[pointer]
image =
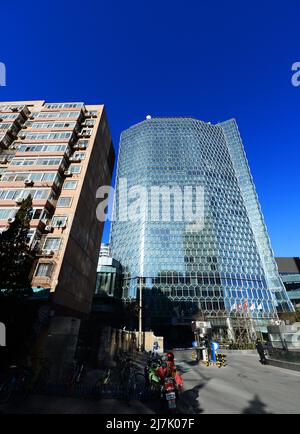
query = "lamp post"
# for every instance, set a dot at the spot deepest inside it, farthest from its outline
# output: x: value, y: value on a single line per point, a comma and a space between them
x: 140, y: 316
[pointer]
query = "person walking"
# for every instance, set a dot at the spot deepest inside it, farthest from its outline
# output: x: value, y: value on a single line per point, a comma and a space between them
x: 260, y: 349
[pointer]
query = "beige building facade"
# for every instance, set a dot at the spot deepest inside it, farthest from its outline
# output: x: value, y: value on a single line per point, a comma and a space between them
x: 60, y: 154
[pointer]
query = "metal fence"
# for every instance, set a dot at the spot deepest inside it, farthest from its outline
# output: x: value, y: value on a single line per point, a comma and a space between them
x: 108, y: 391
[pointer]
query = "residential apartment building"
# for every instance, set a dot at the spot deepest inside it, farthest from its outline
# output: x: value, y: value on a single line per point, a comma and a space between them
x: 60, y: 154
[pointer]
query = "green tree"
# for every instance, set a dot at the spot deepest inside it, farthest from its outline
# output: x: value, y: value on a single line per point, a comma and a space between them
x: 15, y: 258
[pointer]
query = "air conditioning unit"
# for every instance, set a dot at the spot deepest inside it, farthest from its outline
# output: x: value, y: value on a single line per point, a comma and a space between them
x: 3, y: 160
x: 19, y: 200
x: 22, y: 136
x: 74, y: 159
x: 68, y: 173
x: 10, y: 220
x: 80, y: 135
x: 48, y: 228
x: 84, y: 124
x: 47, y: 252
x: 76, y: 147
x: 28, y: 182
x: 82, y: 147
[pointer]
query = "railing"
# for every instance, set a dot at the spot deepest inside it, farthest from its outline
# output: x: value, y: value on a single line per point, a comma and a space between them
x: 108, y: 391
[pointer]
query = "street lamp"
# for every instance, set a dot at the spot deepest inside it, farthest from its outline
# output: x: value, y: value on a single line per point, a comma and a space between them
x: 140, y: 316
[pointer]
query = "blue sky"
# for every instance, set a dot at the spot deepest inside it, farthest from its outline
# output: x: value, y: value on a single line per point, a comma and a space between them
x: 210, y: 60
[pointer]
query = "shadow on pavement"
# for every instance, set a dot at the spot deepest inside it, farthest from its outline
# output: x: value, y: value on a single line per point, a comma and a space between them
x: 256, y: 406
x: 189, y: 401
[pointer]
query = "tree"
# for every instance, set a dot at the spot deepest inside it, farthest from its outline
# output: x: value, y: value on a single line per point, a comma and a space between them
x: 15, y: 258
x: 290, y: 316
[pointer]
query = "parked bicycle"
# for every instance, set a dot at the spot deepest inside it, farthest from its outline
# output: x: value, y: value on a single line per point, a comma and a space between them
x: 104, y: 378
x: 75, y: 373
x: 17, y: 383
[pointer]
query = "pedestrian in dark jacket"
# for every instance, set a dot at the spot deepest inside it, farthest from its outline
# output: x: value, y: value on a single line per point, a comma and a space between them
x: 261, y: 351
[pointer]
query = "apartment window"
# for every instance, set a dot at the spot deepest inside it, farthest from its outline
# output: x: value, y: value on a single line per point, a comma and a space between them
x: 44, y: 270
x: 64, y: 105
x: 5, y: 126
x: 12, y: 116
x: 36, y: 161
x: 33, y: 176
x: 42, y: 147
x: 35, y: 194
x: 83, y: 142
x: 47, y: 136
x: 90, y: 122
x: 75, y: 169
x: 70, y: 185
x: 41, y: 194
x: 6, y: 213
x: 50, y: 176
x: 38, y: 213
x: 81, y: 155
x: 30, y: 236
x: 53, y: 125
x: 64, y: 202
x: 62, y: 114
x: 12, y: 107
x: 52, y: 243
x: 59, y: 221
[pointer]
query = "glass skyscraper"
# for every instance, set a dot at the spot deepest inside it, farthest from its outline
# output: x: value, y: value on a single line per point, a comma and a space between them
x: 225, y: 267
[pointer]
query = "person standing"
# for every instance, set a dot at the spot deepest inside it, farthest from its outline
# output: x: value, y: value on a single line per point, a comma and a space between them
x: 260, y: 349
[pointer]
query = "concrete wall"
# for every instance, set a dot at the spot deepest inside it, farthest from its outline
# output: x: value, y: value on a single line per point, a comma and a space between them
x: 113, y: 340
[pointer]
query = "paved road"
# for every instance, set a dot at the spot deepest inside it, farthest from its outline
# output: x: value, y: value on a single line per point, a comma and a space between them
x: 243, y: 386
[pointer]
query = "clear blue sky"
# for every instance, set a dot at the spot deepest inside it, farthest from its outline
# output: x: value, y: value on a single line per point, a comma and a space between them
x: 212, y: 60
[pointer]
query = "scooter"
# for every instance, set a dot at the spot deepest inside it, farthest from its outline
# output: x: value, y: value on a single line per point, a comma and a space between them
x: 152, y: 379
x: 170, y: 393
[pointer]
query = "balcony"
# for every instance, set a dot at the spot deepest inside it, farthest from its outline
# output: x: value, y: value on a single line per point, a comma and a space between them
x: 13, y: 108
x: 5, y: 140
x: 48, y: 136
x: 16, y: 118
x: 45, y: 151
x: 61, y: 116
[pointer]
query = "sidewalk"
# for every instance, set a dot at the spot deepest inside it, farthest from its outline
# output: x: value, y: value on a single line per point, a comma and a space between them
x: 40, y: 404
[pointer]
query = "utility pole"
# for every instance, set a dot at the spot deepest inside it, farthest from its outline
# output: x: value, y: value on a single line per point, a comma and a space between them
x: 140, y: 316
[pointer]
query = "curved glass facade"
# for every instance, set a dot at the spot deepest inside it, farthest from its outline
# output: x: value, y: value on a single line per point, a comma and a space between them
x: 225, y: 267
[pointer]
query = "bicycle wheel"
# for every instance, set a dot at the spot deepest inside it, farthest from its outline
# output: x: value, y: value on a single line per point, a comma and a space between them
x: 42, y: 379
x: 139, y: 384
x: 6, y: 392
